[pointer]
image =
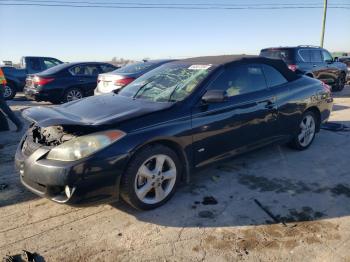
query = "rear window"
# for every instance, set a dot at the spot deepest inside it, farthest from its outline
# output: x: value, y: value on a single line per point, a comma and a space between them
x: 135, y: 68
x: 284, y: 54
x: 273, y: 77
x: 54, y: 69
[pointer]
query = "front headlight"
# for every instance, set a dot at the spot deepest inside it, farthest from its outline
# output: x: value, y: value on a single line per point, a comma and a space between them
x: 84, y: 146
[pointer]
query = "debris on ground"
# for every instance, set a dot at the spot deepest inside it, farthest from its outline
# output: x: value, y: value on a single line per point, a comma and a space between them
x: 26, y: 256
x: 335, y: 127
x: 206, y: 214
x: 269, y: 213
x: 209, y: 200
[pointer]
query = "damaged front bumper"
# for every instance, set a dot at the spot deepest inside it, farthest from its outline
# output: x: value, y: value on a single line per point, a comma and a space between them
x: 91, y: 180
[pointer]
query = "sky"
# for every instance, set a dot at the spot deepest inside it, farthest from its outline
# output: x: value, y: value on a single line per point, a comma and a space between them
x: 84, y: 34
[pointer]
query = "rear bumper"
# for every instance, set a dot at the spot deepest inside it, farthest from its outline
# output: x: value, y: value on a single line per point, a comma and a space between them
x: 42, y: 95
x: 89, y: 181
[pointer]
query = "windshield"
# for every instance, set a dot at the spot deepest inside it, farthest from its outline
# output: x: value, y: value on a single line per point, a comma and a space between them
x: 134, y: 68
x: 284, y: 54
x: 168, y: 83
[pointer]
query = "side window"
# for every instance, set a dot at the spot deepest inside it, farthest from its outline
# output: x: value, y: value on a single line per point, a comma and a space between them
x: 315, y: 56
x: 238, y: 80
x: 77, y: 70
x: 305, y: 55
x: 273, y: 77
x: 92, y: 70
x: 107, y: 68
x: 84, y: 70
x: 326, y: 56
x: 50, y: 62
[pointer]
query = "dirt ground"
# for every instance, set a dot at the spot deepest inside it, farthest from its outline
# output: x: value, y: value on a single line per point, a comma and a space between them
x: 309, y: 190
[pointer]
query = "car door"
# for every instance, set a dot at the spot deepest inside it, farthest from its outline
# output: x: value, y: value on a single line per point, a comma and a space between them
x: 332, y: 71
x: 279, y: 86
x: 320, y: 70
x: 85, y: 77
x: 246, y: 119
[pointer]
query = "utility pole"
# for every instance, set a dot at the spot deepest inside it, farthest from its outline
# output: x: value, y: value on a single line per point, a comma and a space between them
x: 324, y: 22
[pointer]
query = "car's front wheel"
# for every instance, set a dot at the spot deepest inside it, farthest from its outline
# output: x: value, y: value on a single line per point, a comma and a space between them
x: 340, y: 83
x: 151, y: 177
x: 307, y: 131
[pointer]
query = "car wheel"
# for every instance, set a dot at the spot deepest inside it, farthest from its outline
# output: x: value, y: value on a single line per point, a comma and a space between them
x: 151, y: 177
x: 307, y: 131
x: 340, y: 83
x: 72, y: 94
x: 9, y: 92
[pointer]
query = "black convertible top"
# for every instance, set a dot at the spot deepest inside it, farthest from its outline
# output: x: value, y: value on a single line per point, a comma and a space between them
x: 226, y: 60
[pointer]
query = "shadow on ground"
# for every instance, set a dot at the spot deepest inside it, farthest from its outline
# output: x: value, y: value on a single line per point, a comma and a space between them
x: 293, y: 186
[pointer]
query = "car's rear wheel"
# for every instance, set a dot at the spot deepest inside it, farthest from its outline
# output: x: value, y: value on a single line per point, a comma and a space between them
x: 340, y: 83
x: 151, y: 177
x: 307, y: 131
x: 9, y: 92
x: 73, y: 94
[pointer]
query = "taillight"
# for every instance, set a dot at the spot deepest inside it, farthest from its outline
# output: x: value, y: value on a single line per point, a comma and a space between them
x: 293, y: 67
x: 39, y: 81
x: 123, y: 81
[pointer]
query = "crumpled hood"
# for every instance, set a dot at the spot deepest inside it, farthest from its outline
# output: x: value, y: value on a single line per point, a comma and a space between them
x: 93, y: 111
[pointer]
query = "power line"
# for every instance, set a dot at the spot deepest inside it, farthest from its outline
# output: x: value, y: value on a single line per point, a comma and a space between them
x: 166, y: 4
x: 170, y: 7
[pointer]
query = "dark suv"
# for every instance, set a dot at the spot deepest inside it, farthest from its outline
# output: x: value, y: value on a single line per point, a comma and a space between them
x: 312, y: 61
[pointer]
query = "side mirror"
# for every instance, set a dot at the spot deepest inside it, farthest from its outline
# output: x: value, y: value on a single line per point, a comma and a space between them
x: 214, y: 96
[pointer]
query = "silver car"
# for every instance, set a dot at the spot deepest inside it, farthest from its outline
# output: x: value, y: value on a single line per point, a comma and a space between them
x: 119, y: 78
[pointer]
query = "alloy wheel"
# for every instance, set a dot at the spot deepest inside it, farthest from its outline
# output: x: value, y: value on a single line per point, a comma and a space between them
x: 74, y: 94
x: 155, y: 179
x: 7, y: 92
x: 307, y: 130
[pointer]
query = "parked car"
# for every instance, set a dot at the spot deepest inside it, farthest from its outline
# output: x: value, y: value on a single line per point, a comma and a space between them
x: 66, y: 82
x: 346, y: 60
x: 29, y: 65
x: 312, y: 61
x: 119, y: 78
x: 140, y: 143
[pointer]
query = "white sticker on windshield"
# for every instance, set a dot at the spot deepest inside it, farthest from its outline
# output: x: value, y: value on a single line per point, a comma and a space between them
x: 199, y: 67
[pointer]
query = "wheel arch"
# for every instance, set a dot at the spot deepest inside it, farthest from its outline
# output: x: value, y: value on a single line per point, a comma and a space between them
x: 173, y: 145
x: 317, y: 112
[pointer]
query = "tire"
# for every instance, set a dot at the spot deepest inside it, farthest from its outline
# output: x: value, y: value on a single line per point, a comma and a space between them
x: 10, y: 91
x: 72, y: 94
x: 340, y: 84
x: 145, y: 185
x: 302, y: 142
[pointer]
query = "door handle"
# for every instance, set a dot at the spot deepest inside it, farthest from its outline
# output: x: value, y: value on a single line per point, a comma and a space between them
x: 269, y: 103
x: 314, y: 65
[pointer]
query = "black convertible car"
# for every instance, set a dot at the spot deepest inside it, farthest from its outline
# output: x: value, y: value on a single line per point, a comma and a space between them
x: 140, y: 143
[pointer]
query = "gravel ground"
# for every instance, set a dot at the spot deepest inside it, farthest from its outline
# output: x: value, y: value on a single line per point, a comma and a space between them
x: 310, y: 190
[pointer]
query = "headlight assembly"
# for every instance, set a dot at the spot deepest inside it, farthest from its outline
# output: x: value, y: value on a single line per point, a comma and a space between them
x: 84, y: 146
